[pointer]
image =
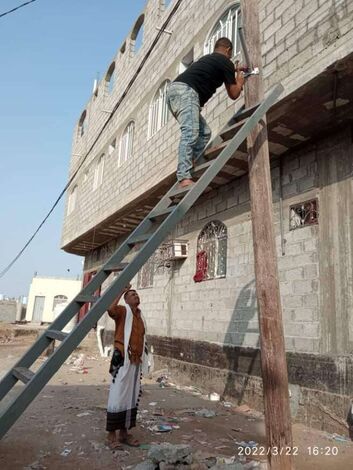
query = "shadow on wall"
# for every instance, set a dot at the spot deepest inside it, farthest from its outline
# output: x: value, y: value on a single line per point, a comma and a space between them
x: 244, y: 311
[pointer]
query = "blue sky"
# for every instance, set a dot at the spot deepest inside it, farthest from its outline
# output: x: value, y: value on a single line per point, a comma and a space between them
x: 50, y: 53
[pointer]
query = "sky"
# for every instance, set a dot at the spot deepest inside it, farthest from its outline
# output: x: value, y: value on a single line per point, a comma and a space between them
x: 50, y: 54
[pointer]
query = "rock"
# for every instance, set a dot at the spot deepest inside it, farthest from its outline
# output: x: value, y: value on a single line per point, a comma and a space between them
x: 146, y: 465
x: 205, y: 413
x: 169, y: 453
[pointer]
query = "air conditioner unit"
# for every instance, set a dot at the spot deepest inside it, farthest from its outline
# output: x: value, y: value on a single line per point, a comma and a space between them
x: 177, y: 249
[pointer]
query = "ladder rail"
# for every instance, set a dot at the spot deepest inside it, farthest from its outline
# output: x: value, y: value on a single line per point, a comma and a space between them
x: 53, y: 363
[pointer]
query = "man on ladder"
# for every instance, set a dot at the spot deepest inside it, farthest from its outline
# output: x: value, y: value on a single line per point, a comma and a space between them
x: 190, y: 91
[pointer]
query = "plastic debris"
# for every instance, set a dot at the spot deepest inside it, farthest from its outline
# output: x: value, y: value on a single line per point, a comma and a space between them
x: 205, y: 413
x: 161, y: 428
x: 339, y: 438
x: 227, y: 404
x: 214, y: 396
x: 86, y: 413
x: 66, y: 452
x: 153, y: 403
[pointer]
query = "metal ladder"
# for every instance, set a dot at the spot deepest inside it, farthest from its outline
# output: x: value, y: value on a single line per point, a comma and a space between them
x: 150, y: 233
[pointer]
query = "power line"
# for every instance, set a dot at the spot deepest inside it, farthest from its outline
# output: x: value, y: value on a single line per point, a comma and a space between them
x: 127, y: 89
x: 17, y: 8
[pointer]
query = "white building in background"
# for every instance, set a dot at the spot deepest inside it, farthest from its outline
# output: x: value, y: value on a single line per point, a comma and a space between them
x: 46, y: 293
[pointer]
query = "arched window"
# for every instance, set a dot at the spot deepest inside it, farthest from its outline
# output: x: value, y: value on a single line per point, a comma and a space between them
x: 82, y: 124
x: 226, y: 26
x: 110, y: 78
x: 126, y: 143
x: 211, y: 262
x: 98, y: 172
x: 59, y: 299
x: 158, y: 113
x: 137, y: 34
x: 71, y: 204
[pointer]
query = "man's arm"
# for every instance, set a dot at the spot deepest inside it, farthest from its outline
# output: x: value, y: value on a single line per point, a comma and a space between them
x: 234, y: 89
x: 114, y: 310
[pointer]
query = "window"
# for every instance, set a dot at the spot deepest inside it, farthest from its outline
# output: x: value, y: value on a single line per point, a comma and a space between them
x: 123, y: 48
x: 145, y: 275
x: 82, y: 124
x: 98, y: 173
x: 303, y: 214
x: 59, y: 299
x: 226, y: 26
x: 159, y: 112
x: 72, y: 200
x: 85, y: 176
x: 112, y: 147
x: 186, y: 61
x: 211, y: 262
x: 126, y: 143
x: 110, y: 78
x: 137, y: 34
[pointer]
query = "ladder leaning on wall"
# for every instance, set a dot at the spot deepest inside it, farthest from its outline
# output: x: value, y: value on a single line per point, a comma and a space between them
x: 150, y: 233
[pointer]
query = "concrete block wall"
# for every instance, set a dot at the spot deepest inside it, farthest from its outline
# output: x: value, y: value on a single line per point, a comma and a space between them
x: 224, y: 310
x: 300, y: 39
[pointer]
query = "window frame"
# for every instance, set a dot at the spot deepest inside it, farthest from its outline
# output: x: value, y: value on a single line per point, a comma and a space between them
x: 206, y: 246
x: 213, y: 34
x: 126, y: 143
x: 99, y: 172
x: 158, y: 113
x: 72, y: 200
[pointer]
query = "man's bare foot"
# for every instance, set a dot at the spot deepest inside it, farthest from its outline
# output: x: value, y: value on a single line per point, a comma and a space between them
x: 128, y: 439
x: 112, y: 441
x: 186, y: 182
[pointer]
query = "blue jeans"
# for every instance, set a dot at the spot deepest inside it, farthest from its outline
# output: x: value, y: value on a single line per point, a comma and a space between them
x: 183, y: 102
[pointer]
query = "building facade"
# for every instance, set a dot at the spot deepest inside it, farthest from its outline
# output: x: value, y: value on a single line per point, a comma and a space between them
x: 201, y: 308
x: 46, y: 294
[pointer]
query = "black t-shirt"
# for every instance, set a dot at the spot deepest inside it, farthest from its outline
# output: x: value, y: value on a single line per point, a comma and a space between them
x: 207, y: 74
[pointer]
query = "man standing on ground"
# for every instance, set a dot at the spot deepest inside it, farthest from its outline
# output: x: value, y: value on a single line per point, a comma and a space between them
x: 125, y: 368
x: 190, y: 91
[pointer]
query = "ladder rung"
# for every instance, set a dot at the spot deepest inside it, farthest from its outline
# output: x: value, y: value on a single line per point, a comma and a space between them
x: 166, y: 211
x: 54, y: 334
x: 86, y: 298
x: 115, y: 267
x: 139, y: 238
x: 215, y: 151
x: 201, y: 168
x: 230, y: 132
x: 180, y: 191
x: 244, y: 114
x: 23, y: 374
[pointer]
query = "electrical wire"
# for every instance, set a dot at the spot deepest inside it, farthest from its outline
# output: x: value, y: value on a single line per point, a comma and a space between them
x: 127, y: 89
x: 17, y: 8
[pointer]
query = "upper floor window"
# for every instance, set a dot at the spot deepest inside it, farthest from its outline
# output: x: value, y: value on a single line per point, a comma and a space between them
x: 137, y: 34
x: 71, y: 204
x: 226, y: 26
x: 211, y: 262
x: 112, y: 147
x: 158, y: 113
x: 110, y: 78
x: 186, y: 61
x: 126, y: 143
x: 98, y: 173
x: 82, y: 123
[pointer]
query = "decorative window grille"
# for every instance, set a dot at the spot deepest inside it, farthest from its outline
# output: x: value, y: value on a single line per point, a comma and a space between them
x: 145, y: 275
x: 303, y: 214
x: 98, y: 173
x: 72, y: 200
x: 59, y: 299
x: 159, y: 113
x: 126, y: 143
x: 226, y: 26
x: 211, y: 252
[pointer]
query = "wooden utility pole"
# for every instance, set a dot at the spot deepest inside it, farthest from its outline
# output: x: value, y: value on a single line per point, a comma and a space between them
x: 273, y: 357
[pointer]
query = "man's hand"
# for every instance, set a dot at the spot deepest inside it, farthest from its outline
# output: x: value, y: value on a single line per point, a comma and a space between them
x: 128, y: 287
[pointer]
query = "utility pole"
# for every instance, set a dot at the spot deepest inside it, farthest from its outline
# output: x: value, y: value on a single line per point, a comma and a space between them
x: 273, y: 356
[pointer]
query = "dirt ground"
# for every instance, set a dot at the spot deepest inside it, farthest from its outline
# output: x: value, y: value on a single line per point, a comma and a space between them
x: 64, y: 427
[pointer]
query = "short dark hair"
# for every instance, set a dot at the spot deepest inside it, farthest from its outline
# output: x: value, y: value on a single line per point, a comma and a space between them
x: 126, y: 293
x: 223, y: 42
